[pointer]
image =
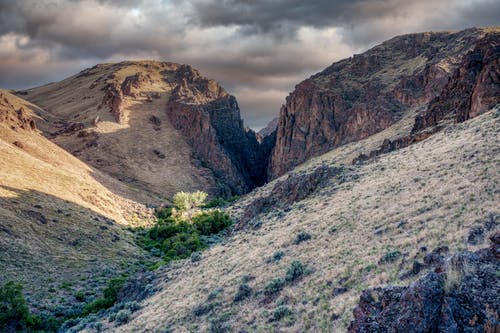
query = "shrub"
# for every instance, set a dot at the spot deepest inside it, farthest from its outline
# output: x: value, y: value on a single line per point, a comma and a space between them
x: 281, y: 312
x: 220, y: 202
x: 123, y: 316
x: 208, y: 223
x: 177, y: 238
x: 277, y: 256
x: 244, y: 291
x: 274, y: 286
x: 295, y: 271
x: 109, y: 298
x: 301, y: 237
x: 195, y: 256
x: 98, y: 326
x: 202, y: 309
x: 164, y: 213
x: 219, y: 325
x: 185, y: 201
x: 132, y: 306
x: 80, y: 296
x: 215, y: 202
x: 390, y: 256
x: 14, y: 311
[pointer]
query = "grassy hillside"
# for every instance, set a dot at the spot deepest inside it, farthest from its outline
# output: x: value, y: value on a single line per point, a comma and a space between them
x: 294, y: 267
x: 61, y: 230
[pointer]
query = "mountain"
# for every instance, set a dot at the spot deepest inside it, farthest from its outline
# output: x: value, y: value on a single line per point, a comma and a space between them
x: 156, y: 126
x: 414, y: 74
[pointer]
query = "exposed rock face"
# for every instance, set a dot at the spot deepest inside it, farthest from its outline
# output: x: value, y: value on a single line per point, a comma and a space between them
x: 357, y: 97
x: 473, y: 89
x: 15, y: 117
x: 210, y: 118
x: 461, y: 295
x: 113, y: 99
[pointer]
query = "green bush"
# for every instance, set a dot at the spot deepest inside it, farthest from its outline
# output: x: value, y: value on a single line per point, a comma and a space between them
x: 390, y: 256
x: 80, y: 296
x: 185, y: 201
x: 213, y: 222
x: 220, y: 202
x: 281, y: 312
x: 178, y: 238
x: 301, y: 237
x: 14, y: 311
x: 274, y: 286
x: 123, y: 316
x: 203, y: 308
x: 15, y: 314
x: 110, y: 296
x: 195, y: 256
x: 244, y: 291
x: 277, y: 256
x: 295, y: 271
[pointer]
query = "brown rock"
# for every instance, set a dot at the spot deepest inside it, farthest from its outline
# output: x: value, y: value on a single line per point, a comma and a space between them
x: 360, y: 96
x: 473, y: 89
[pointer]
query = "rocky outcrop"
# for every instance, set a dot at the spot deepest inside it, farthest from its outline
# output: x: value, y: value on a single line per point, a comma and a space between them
x: 360, y: 96
x: 473, y: 89
x: 210, y: 118
x: 113, y: 98
x: 461, y: 295
x: 13, y: 116
x: 133, y: 83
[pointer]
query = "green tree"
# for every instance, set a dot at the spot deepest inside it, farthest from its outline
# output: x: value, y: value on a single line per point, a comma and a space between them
x: 14, y: 312
x: 185, y: 201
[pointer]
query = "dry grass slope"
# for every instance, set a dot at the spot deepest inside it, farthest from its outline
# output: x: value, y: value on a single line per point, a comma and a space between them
x: 57, y: 222
x: 365, y: 232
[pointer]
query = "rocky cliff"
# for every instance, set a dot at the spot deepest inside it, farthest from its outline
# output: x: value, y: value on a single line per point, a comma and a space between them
x: 473, y: 89
x: 210, y: 118
x: 15, y: 117
x: 357, y: 97
x: 461, y: 295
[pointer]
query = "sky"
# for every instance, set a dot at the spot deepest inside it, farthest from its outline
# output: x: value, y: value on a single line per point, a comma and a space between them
x: 258, y: 50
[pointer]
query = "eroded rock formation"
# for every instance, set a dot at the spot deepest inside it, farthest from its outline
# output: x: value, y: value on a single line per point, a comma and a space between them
x: 461, y: 295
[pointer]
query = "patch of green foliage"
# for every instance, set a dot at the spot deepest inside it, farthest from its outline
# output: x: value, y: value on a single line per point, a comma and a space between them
x: 15, y: 314
x: 220, y: 202
x: 295, y: 271
x: 175, y: 236
x: 281, y: 312
x: 110, y: 295
x: 274, y: 286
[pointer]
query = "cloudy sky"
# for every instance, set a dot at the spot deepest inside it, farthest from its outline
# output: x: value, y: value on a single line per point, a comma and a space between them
x: 259, y: 50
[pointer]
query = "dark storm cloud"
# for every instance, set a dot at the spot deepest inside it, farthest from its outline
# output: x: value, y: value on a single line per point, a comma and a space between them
x: 258, y: 49
x: 363, y: 21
